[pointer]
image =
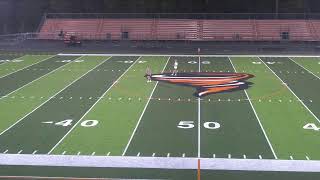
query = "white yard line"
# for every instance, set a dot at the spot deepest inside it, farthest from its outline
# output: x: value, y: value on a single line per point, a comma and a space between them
x: 11, y: 60
x: 199, y: 115
x: 257, y: 117
x: 27, y: 66
x: 160, y: 162
x: 49, y: 99
x: 75, y: 125
x: 38, y: 78
x: 304, y: 68
x: 145, y: 107
x: 290, y: 90
x: 191, y: 55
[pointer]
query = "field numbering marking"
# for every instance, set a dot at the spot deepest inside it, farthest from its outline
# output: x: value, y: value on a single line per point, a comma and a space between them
x: 47, y: 99
x: 75, y: 125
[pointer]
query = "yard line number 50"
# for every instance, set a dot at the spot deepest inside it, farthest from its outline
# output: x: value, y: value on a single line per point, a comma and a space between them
x: 190, y: 124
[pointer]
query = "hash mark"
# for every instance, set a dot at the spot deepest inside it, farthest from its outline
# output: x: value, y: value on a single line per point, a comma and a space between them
x: 93, y: 153
x: 64, y: 152
x: 78, y: 153
x: 153, y: 154
x: 138, y: 154
x: 168, y: 155
x: 260, y: 157
x: 20, y: 152
x: 108, y: 153
x: 229, y: 156
x: 184, y: 155
x: 214, y: 155
x: 5, y: 151
x: 291, y: 157
x: 307, y: 157
x: 244, y: 156
x: 34, y: 152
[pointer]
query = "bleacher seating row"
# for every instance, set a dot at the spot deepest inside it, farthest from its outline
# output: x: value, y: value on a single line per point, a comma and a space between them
x: 183, y: 29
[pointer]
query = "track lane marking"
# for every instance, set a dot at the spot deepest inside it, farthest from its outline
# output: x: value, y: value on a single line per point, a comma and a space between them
x: 145, y: 107
x: 286, y: 85
x: 257, y: 117
x: 115, y: 82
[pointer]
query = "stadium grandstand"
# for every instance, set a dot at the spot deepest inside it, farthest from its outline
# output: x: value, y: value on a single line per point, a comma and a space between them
x: 171, y: 89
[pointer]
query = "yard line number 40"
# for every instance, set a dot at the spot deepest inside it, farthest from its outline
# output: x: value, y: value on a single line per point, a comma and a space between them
x: 190, y: 124
x: 86, y: 123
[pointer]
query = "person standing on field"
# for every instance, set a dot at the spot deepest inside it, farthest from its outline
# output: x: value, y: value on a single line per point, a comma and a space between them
x: 175, y: 68
x: 148, y: 74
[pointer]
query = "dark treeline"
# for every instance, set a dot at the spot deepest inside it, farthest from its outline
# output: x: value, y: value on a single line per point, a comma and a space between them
x: 25, y: 15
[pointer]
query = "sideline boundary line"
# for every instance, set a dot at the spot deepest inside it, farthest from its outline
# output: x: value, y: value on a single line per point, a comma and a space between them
x: 257, y: 117
x: 50, y: 98
x: 74, y: 126
x: 52, y: 56
x: 144, y: 109
x: 160, y: 162
x: 285, y: 84
x: 183, y: 55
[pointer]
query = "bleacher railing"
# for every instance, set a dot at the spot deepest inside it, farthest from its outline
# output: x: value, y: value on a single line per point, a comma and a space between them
x: 188, y: 15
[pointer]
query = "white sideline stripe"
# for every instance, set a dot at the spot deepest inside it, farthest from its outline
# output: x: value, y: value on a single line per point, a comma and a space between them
x: 145, y: 107
x: 160, y: 162
x: 199, y: 116
x: 115, y: 82
x: 27, y: 66
x: 257, y: 117
x: 37, y: 79
x: 186, y: 55
x: 46, y: 100
x: 304, y: 67
x: 291, y: 91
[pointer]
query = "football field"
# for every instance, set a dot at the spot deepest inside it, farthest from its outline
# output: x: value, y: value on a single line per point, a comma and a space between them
x: 58, y: 107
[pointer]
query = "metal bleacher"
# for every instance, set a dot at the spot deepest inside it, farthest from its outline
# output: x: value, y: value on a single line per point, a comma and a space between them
x: 183, y: 29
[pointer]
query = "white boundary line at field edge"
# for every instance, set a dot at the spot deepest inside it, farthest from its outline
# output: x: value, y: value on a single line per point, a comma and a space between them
x: 1, y: 97
x: 185, y: 55
x: 255, y: 113
x: 285, y: 84
x: 51, y: 96
x: 304, y: 67
x: 52, y: 56
x: 144, y: 109
x: 75, y: 125
x: 134, y: 162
